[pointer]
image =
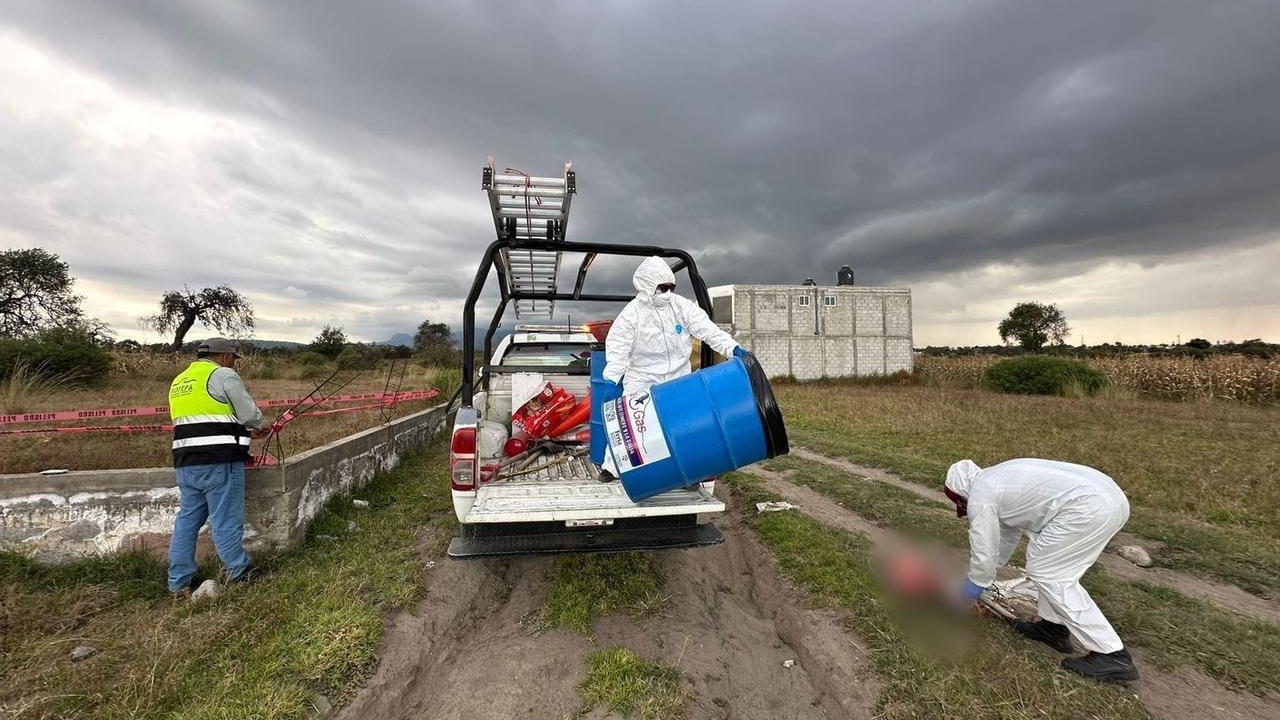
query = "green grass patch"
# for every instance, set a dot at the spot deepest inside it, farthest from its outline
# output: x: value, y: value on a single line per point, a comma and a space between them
x: 1240, y: 556
x: 587, y: 587
x: 1174, y: 629
x: 1201, y: 477
x: 930, y: 666
x: 632, y: 687
x: 262, y: 650
x: 131, y: 575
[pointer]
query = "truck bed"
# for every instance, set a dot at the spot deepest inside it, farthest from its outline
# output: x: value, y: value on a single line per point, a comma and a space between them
x: 564, y: 508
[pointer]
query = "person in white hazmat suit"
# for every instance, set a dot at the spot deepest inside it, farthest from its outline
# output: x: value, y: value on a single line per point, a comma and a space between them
x: 651, y: 340
x: 1069, y: 512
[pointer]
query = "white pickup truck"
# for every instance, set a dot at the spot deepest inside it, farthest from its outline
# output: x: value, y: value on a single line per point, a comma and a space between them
x: 561, y: 507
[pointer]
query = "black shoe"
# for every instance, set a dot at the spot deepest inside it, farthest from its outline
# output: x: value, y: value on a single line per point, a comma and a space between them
x: 251, y: 574
x: 1104, y: 667
x: 605, y: 477
x: 1052, y: 634
x: 184, y: 593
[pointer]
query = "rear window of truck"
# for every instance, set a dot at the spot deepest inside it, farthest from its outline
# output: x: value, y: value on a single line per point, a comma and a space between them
x: 548, y: 355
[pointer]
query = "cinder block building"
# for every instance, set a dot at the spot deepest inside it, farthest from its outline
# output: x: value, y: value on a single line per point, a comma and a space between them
x: 812, y: 331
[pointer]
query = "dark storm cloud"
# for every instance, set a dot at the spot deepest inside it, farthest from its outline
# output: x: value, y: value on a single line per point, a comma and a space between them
x: 777, y: 141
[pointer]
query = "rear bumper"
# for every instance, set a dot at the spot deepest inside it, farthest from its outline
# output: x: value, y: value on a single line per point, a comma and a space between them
x: 548, y: 538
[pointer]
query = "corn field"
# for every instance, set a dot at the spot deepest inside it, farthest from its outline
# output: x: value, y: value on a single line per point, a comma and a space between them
x: 1223, y: 377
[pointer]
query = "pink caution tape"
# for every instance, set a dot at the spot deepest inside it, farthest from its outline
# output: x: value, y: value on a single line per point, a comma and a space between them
x: 108, y: 413
x: 384, y: 401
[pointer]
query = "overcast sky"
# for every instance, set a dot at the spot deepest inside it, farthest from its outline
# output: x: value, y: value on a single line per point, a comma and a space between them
x: 1119, y: 159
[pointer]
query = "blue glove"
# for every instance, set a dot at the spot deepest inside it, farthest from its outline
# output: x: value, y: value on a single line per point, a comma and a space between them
x: 740, y: 352
x: 612, y: 391
x: 972, y: 591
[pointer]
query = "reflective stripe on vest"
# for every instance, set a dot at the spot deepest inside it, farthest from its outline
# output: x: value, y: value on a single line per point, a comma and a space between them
x: 205, y: 430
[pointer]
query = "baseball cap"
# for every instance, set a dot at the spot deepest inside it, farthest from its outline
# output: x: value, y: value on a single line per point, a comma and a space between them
x: 219, y: 346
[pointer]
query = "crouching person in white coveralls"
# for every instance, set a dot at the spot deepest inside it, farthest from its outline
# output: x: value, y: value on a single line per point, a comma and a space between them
x: 1069, y: 513
x: 652, y: 338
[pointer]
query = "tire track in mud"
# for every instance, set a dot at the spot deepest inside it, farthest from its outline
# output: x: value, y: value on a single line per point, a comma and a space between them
x: 1223, y: 595
x: 1176, y: 695
x: 729, y: 626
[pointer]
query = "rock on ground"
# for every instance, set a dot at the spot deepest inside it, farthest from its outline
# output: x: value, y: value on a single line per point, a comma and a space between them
x: 82, y: 651
x: 208, y: 590
x: 1136, y: 555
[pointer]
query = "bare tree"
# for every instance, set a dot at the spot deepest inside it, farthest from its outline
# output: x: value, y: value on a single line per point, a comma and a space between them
x: 35, y: 293
x: 220, y: 308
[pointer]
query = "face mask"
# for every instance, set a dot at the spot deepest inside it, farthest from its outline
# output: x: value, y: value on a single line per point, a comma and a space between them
x: 662, y: 299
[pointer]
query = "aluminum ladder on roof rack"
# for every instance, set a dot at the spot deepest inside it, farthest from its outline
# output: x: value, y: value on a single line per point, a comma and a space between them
x: 527, y: 207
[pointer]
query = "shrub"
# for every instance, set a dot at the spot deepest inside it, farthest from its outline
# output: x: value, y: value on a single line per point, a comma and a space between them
x: 311, y: 372
x: 357, y: 358
x: 1040, y: 375
x: 63, y: 355
x: 261, y: 368
x: 312, y: 359
x: 439, y: 356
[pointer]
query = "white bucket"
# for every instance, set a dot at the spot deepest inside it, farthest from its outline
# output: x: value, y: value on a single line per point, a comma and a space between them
x: 492, y: 436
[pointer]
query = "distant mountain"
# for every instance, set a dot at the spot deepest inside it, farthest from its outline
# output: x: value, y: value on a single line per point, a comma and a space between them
x: 406, y: 339
x: 403, y: 339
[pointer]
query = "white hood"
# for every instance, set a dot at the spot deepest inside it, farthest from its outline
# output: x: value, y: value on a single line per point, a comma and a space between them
x: 652, y: 272
x: 960, y: 477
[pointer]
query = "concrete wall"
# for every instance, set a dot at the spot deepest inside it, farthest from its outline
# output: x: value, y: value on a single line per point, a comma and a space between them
x: 62, y: 517
x: 859, y: 331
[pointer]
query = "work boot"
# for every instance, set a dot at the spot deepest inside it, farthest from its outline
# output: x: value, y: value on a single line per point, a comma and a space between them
x: 184, y: 593
x: 1104, y: 667
x: 1052, y: 634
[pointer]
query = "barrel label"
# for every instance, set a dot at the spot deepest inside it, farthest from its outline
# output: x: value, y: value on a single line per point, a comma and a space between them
x: 634, y: 431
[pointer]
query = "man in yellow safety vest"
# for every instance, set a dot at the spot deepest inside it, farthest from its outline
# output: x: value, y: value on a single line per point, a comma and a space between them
x: 213, y: 421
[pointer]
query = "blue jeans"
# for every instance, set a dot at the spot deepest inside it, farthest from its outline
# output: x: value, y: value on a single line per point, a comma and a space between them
x: 214, y: 493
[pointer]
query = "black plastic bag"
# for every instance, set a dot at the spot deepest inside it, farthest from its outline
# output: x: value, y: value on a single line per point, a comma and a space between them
x: 775, y: 431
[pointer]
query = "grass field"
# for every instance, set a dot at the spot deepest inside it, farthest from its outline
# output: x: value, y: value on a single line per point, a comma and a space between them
x: 1203, y: 477
x: 260, y: 651
x: 1238, y: 378
x: 143, y: 380
x: 1239, y: 653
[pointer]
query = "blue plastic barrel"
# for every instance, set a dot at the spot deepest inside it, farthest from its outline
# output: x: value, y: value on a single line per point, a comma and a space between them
x: 597, y: 397
x: 686, y: 430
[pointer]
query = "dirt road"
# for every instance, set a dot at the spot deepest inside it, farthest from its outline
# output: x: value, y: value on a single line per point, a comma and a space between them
x: 730, y: 626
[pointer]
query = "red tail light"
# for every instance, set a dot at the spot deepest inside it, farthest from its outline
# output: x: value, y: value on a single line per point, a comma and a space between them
x: 464, y: 441
x: 462, y: 459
